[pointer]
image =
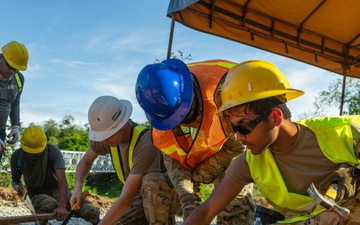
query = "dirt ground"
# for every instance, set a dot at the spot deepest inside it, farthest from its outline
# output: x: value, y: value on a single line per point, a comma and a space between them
x: 8, y: 197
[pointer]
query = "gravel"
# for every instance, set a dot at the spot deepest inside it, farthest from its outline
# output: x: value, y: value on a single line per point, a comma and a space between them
x: 6, y: 211
x: 21, y: 210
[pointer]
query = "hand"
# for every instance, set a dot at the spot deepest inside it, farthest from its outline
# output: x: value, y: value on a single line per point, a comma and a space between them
x: 2, y: 147
x: 188, y: 204
x: 61, y: 213
x: 76, y: 198
x: 21, y: 190
x: 15, y: 134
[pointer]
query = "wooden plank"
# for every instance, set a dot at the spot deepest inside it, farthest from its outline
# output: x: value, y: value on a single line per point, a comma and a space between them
x: 28, y: 218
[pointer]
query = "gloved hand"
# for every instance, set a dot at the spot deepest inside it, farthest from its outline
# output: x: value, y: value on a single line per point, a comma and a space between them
x: 188, y: 205
x: 2, y: 147
x: 348, y: 186
x: 15, y: 134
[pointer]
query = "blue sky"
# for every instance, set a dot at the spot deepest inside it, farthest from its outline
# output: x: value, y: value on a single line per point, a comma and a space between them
x: 80, y: 50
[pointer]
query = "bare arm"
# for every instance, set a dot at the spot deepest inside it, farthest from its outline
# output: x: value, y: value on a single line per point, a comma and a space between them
x: 131, y: 186
x: 218, y: 200
x: 61, y: 211
x: 82, y: 170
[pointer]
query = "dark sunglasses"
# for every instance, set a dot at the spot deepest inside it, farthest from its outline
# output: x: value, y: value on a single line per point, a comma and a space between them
x: 246, y: 128
x: 10, y: 67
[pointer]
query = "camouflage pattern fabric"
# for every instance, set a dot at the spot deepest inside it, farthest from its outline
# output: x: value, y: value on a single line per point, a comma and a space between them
x: 44, y: 203
x: 241, y: 209
x: 212, y: 170
x: 156, y: 203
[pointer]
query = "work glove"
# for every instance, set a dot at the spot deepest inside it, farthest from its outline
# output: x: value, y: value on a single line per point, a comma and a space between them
x: 188, y: 205
x: 15, y: 134
x: 348, y: 182
x: 2, y: 147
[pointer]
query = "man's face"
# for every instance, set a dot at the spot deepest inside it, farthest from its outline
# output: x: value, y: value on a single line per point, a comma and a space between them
x: 117, y: 138
x: 254, y: 131
x: 6, y: 71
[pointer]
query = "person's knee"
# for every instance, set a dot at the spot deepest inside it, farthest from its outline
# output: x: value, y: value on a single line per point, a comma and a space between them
x: 44, y: 203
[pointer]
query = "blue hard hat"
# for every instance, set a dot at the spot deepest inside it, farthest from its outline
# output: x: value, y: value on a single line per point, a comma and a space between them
x: 165, y: 91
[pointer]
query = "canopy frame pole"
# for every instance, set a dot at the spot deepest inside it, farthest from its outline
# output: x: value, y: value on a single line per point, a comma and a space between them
x: 343, y: 90
x: 171, y: 36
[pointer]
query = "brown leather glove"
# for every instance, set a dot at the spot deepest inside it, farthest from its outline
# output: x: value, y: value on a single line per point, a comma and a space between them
x: 348, y: 184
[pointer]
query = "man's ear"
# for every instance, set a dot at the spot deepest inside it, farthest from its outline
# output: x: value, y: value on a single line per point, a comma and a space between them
x: 277, y: 116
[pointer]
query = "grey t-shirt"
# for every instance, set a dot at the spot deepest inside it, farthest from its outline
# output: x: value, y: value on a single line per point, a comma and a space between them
x: 146, y: 157
x: 302, y: 164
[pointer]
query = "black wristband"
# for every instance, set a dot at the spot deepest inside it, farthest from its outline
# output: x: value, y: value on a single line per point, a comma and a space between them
x: 355, y: 171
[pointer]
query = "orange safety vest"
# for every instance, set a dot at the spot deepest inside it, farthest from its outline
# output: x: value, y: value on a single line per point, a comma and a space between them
x: 210, y: 137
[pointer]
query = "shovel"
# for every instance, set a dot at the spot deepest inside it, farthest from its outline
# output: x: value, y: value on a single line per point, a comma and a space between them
x: 74, y: 208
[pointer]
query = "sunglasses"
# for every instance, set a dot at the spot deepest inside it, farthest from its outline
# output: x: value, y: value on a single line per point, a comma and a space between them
x: 246, y: 128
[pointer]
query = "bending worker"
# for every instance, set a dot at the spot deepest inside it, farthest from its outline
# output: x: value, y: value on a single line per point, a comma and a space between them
x: 180, y: 102
x: 14, y: 57
x: 43, y: 169
x: 147, y: 197
x: 283, y: 158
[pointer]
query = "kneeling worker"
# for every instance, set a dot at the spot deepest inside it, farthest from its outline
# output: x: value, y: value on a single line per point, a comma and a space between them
x: 148, y: 196
x: 43, y: 168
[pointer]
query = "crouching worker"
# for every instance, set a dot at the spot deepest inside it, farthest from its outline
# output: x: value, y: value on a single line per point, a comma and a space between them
x: 43, y: 169
x: 148, y: 196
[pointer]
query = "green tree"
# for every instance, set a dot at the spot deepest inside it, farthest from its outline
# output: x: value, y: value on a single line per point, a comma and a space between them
x: 179, y: 55
x: 331, y: 98
x: 72, y: 136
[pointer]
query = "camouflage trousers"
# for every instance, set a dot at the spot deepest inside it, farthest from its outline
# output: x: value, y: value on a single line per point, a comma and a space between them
x: 47, y: 203
x: 157, y: 202
x: 240, y: 211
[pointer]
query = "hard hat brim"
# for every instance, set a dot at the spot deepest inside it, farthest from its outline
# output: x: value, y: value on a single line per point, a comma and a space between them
x: 34, y: 150
x: 289, y: 95
x: 186, y: 100
x: 102, y: 135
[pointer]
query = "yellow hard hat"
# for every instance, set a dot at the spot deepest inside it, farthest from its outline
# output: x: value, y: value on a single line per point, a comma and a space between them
x: 254, y: 80
x: 16, y: 55
x: 33, y: 140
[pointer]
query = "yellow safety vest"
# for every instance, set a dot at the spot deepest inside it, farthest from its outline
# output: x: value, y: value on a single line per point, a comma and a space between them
x: 18, y: 80
x: 338, y: 149
x: 116, y: 156
x: 210, y: 137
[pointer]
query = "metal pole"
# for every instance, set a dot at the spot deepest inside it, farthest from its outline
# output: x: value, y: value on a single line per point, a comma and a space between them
x: 343, y: 90
x: 171, y: 36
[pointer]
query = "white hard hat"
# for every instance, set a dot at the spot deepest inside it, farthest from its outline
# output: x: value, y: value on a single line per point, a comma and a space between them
x: 106, y: 116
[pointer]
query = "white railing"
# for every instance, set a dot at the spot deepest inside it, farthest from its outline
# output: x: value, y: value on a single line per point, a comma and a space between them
x: 102, y: 163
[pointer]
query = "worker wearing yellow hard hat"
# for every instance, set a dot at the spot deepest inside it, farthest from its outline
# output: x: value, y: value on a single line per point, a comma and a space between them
x: 42, y: 168
x: 14, y: 57
x: 283, y: 157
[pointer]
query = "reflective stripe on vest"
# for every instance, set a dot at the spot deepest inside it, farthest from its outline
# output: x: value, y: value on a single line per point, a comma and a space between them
x: 210, y: 136
x: 336, y: 149
x: 115, y: 152
x: 18, y: 80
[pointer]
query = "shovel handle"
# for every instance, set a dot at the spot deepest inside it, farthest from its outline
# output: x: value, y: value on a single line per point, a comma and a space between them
x: 74, y: 208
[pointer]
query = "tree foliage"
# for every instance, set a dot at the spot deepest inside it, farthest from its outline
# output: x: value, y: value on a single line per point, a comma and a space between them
x: 331, y: 98
x: 179, y: 55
